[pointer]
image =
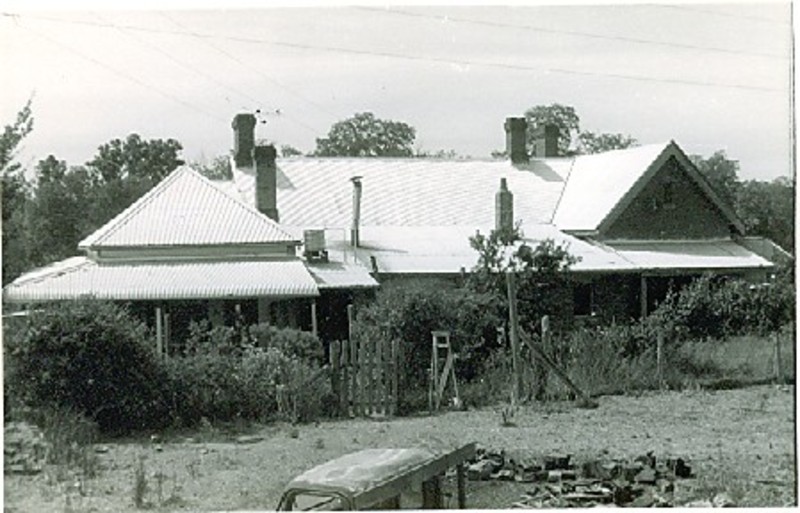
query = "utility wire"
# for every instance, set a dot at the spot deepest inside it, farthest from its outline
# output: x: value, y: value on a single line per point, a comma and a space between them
x: 575, y: 33
x: 250, y: 68
x: 125, y: 75
x: 725, y: 14
x: 182, y: 64
x: 461, y: 62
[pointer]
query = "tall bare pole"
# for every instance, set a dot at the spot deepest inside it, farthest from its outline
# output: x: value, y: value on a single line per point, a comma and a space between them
x: 514, y: 335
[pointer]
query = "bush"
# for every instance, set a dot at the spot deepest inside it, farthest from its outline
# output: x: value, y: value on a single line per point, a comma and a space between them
x: 274, y: 373
x: 93, y: 358
x: 289, y: 341
x: 713, y: 308
x: 409, y: 311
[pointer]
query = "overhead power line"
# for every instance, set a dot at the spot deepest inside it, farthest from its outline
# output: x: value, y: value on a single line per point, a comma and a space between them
x: 725, y: 14
x: 125, y: 75
x: 441, y: 60
x: 251, y: 68
x: 625, y: 39
x: 185, y: 65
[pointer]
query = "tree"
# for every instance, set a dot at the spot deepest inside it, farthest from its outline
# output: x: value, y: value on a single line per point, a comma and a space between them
x: 543, y: 286
x: 58, y: 217
x: 136, y: 158
x: 364, y: 135
x: 218, y: 169
x: 16, y: 195
x: 721, y: 173
x: 767, y: 210
x: 590, y: 142
x: 563, y: 116
x: 12, y: 135
x: 290, y: 151
x: 125, y: 170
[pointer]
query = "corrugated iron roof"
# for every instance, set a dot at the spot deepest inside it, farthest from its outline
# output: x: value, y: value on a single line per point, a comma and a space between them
x: 596, y: 183
x: 82, y: 277
x: 339, y: 275
x: 446, y: 249
x: 689, y: 254
x: 187, y: 209
x: 413, y: 192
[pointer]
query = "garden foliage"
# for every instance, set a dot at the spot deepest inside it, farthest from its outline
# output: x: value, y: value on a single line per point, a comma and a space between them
x: 91, y: 357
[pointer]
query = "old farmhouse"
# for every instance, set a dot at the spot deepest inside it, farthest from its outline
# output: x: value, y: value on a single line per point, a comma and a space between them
x: 293, y: 241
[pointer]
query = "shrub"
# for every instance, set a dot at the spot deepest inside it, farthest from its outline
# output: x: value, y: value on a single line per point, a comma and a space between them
x: 275, y: 372
x: 714, y: 308
x: 409, y: 311
x: 91, y: 357
x: 289, y: 341
x: 206, y: 339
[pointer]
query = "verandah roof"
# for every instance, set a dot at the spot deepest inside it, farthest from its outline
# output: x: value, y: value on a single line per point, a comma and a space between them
x: 81, y: 277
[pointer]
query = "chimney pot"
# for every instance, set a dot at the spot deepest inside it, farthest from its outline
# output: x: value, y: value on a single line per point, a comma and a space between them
x: 244, y: 139
x: 355, y: 235
x: 504, y: 208
x: 516, y: 148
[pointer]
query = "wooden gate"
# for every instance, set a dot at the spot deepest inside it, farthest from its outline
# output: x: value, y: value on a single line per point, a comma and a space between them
x: 365, y: 377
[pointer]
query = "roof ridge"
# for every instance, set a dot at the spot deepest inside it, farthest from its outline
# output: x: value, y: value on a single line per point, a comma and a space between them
x: 119, y: 220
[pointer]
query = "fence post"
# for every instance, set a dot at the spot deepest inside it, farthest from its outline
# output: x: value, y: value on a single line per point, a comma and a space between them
x: 335, y: 377
x: 378, y: 377
x: 540, y: 369
x: 660, y: 358
x: 354, y: 378
x: 778, y: 368
x: 344, y: 382
x: 514, y: 329
x: 366, y: 375
x: 395, y: 365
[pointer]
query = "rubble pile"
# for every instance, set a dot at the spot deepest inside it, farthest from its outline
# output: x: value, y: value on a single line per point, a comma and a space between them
x: 24, y: 448
x: 556, y: 482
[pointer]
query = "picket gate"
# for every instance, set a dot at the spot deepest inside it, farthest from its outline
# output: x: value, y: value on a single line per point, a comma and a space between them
x: 364, y: 377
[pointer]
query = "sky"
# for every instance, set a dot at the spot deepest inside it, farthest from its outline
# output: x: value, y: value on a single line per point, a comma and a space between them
x: 711, y: 76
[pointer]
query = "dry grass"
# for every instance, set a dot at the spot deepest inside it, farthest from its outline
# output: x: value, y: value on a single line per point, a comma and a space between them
x: 738, y: 441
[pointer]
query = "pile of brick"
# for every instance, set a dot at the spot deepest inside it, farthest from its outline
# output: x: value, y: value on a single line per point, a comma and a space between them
x: 556, y: 482
x: 24, y: 448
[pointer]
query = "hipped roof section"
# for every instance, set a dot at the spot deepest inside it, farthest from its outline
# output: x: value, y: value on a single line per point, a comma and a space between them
x: 186, y: 209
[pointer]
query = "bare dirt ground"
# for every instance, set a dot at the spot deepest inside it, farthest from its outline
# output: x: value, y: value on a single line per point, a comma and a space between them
x: 741, y: 442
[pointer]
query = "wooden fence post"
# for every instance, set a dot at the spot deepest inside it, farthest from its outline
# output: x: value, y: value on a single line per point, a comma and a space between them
x: 395, y: 365
x: 365, y: 373
x: 514, y: 332
x: 346, y: 394
x: 660, y: 358
x: 335, y: 371
x: 354, y: 378
x: 778, y: 367
x: 539, y: 368
x: 377, y: 379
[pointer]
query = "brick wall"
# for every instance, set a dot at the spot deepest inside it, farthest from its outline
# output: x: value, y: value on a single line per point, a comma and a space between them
x: 671, y: 206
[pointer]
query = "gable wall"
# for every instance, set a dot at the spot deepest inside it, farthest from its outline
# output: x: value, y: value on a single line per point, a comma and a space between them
x: 689, y: 215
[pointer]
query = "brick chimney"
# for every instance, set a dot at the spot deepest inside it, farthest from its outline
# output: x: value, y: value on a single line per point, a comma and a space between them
x: 355, y: 229
x: 244, y: 139
x: 515, y: 140
x: 266, y: 181
x: 503, y: 208
x: 545, y: 141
